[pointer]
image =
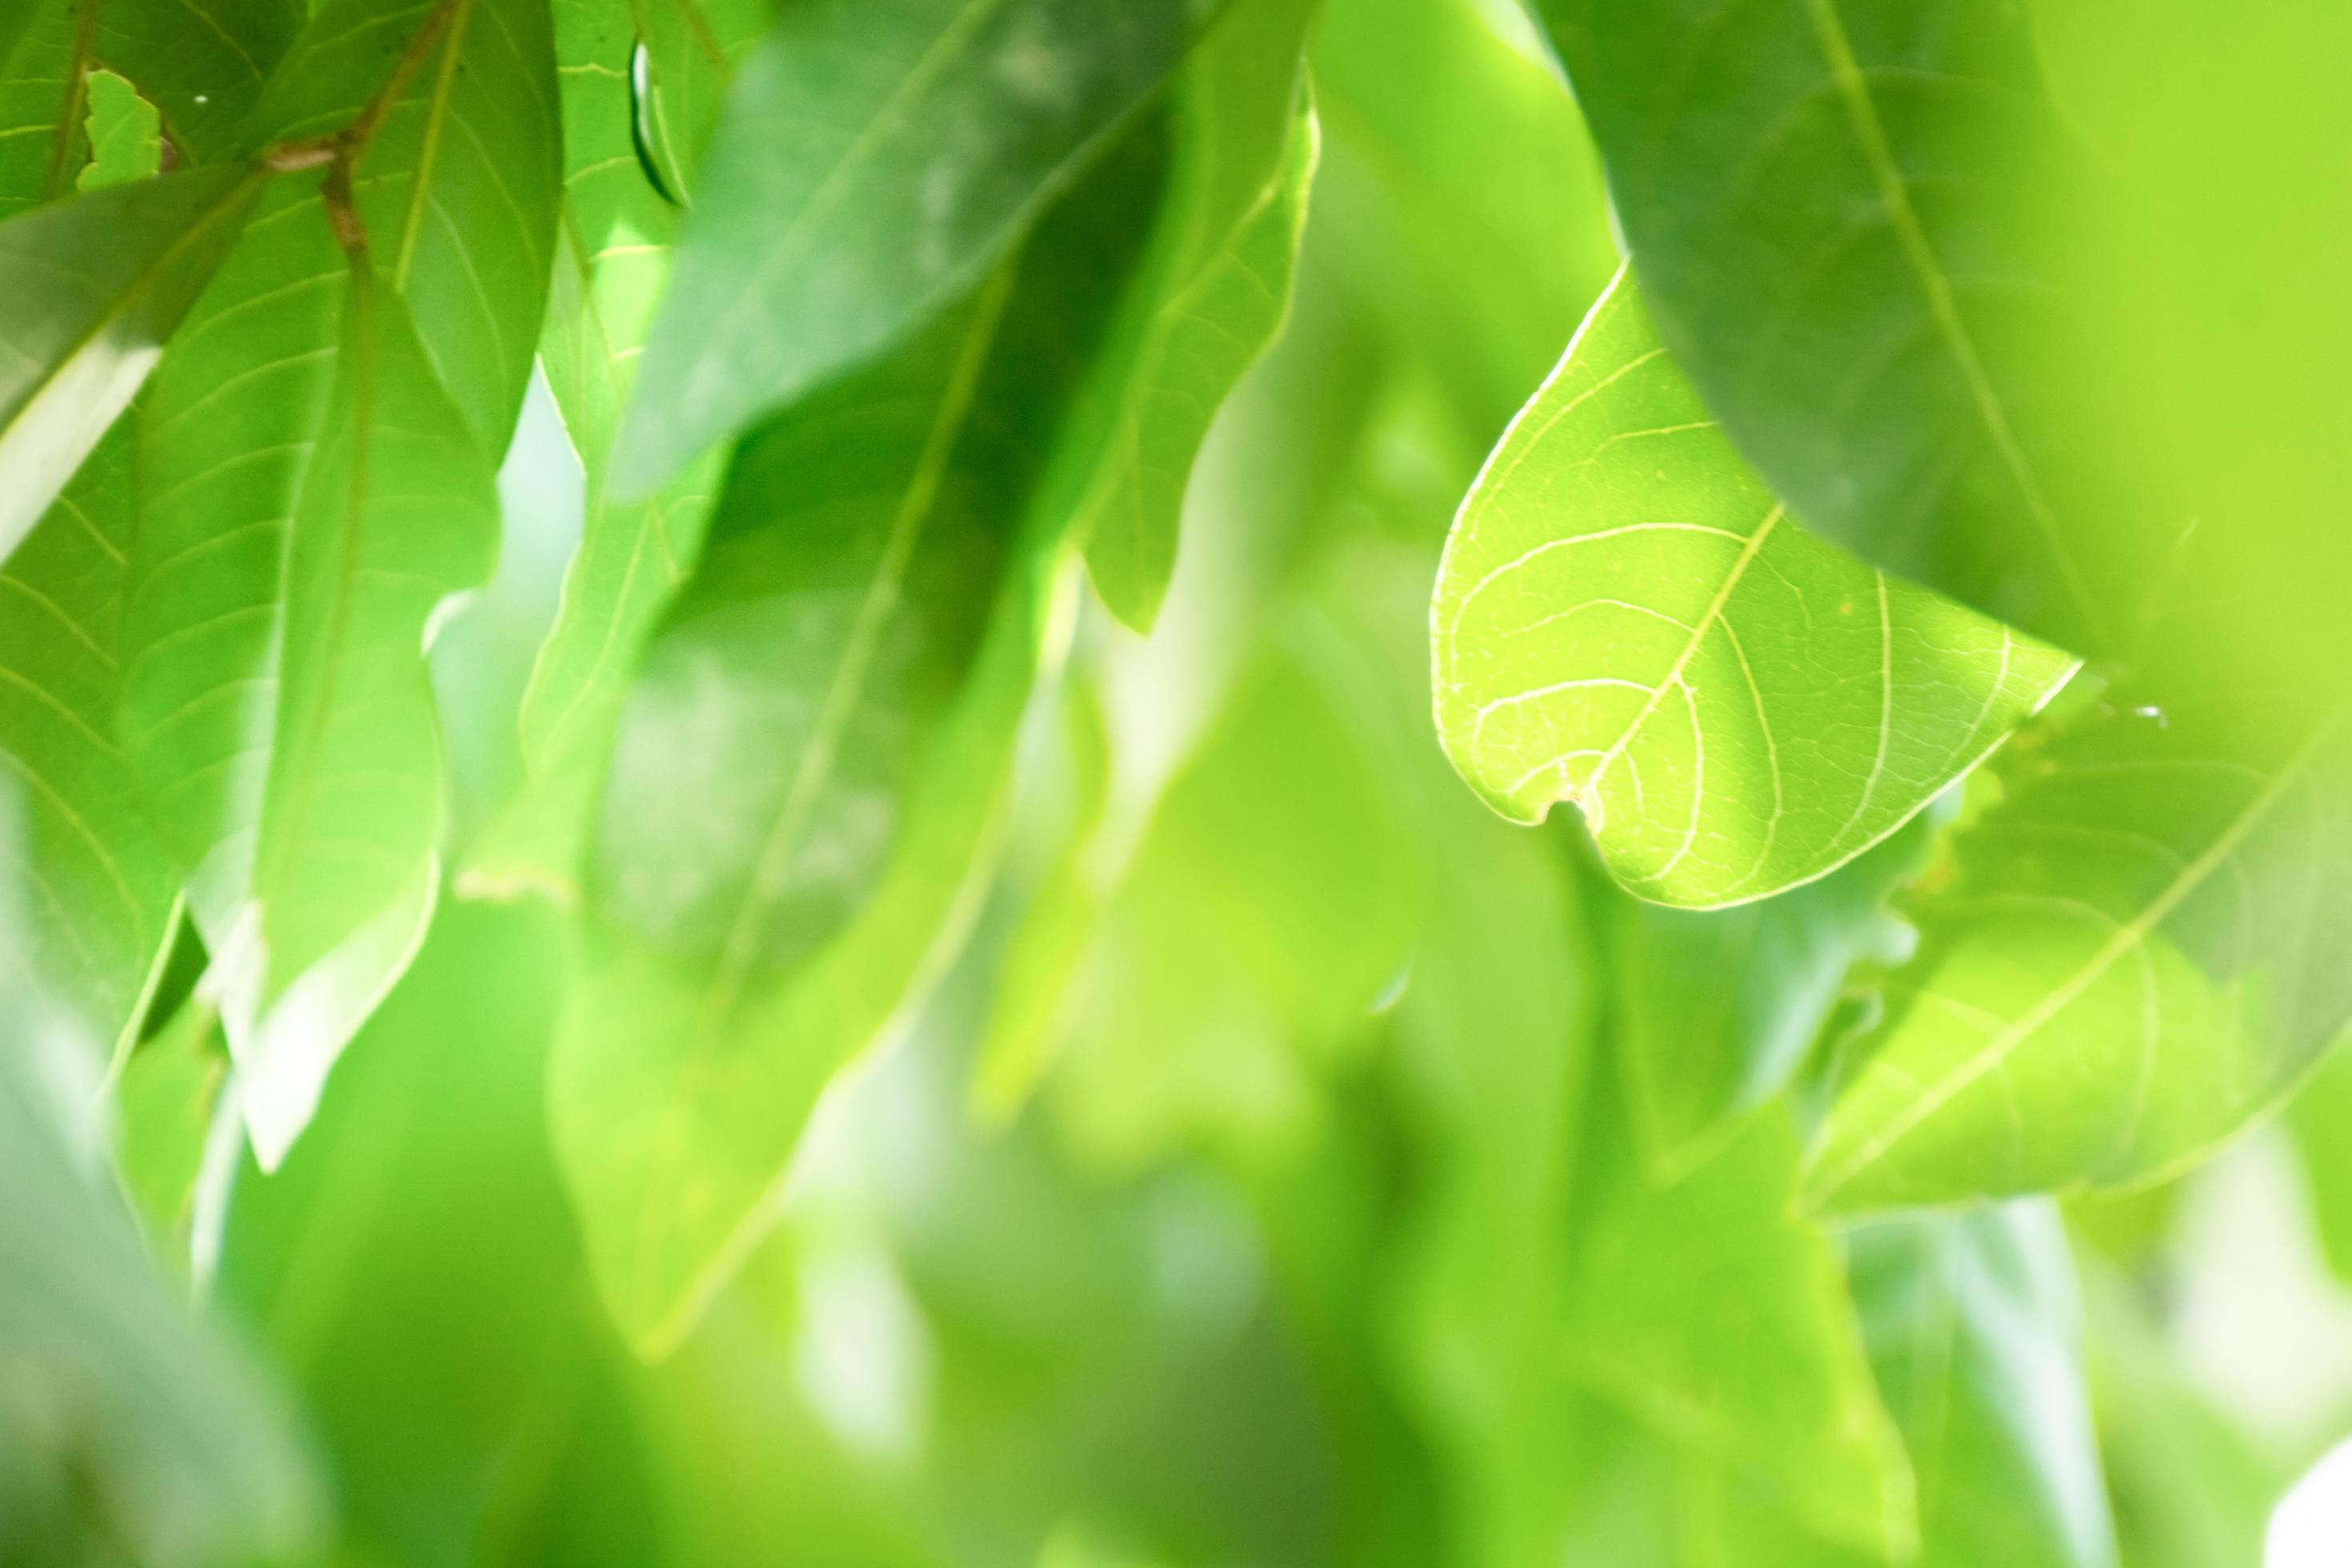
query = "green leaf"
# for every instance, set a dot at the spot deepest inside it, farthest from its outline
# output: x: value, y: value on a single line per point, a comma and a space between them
x: 201, y: 62
x: 612, y: 258
x: 125, y: 134
x: 1628, y: 620
x: 458, y: 178
x: 1706, y: 1308
x: 96, y: 283
x: 1721, y: 1006
x: 1214, y: 290
x: 1974, y: 1333
x: 43, y: 139
x: 1821, y: 204
x: 875, y: 159
x: 310, y: 495
x: 837, y: 693
x: 2136, y: 955
x: 127, y: 1422
x: 89, y: 887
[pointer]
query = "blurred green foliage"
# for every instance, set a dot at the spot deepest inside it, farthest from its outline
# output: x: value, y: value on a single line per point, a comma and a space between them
x: 922, y: 973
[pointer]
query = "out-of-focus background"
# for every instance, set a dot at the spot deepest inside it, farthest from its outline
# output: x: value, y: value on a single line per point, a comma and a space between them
x: 1229, y: 1202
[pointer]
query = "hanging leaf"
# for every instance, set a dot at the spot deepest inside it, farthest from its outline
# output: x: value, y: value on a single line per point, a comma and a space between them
x: 2134, y: 957
x: 873, y: 160
x: 839, y: 693
x: 1628, y: 620
x: 1212, y: 291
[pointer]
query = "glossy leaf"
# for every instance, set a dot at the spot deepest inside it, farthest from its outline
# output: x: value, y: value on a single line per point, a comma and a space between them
x: 1628, y: 620
x: 1720, y: 1008
x: 92, y: 887
x: 838, y: 695
x: 1212, y: 291
x: 2134, y: 957
x: 98, y: 283
x: 1708, y: 1309
x: 1823, y: 205
x: 202, y: 65
x: 689, y: 52
x: 612, y: 258
x: 873, y: 160
x: 125, y: 134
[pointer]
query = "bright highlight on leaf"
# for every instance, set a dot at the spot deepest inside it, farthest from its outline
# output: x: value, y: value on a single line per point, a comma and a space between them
x: 1628, y: 620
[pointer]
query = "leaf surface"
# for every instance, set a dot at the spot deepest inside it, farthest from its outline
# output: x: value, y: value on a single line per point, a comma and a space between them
x: 203, y: 63
x: 1212, y: 291
x: 91, y: 889
x: 2136, y: 954
x: 1627, y: 619
x: 874, y: 160
x: 1819, y: 199
x: 837, y: 694
x: 96, y: 283
x: 43, y: 139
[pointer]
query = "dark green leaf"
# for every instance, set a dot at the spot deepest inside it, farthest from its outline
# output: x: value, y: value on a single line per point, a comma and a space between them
x: 44, y: 47
x: 1822, y: 201
x: 201, y: 62
x: 875, y: 158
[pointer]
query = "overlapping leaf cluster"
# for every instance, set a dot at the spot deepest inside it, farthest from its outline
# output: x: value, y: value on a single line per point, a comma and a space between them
x: 1263, y: 1152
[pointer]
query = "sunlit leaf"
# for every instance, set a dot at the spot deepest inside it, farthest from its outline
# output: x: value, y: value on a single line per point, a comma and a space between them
x: 874, y: 160
x: 689, y: 52
x: 2136, y: 956
x: 1628, y: 620
x: 165, y: 1098
x: 96, y: 283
